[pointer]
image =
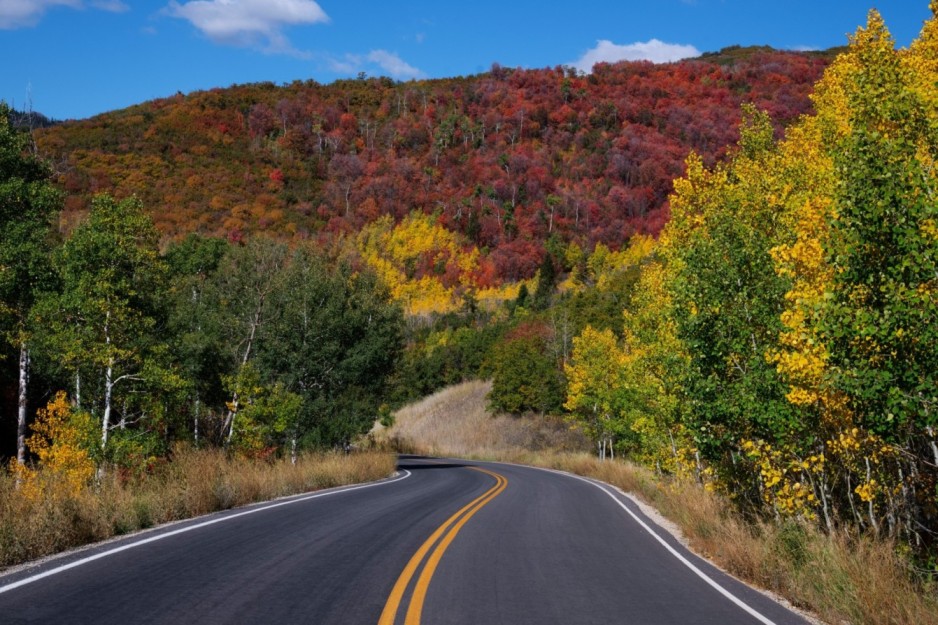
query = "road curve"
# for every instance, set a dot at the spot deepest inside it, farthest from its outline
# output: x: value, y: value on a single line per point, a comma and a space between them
x: 446, y: 542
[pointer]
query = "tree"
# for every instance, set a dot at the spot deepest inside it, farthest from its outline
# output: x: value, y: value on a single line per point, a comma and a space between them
x: 525, y: 378
x: 104, y: 324
x: 334, y: 341
x: 28, y: 204
x: 243, y: 287
x: 546, y: 282
x: 882, y: 324
x: 728, y: 299
x: 64, y: 444
x: 656, y: 369
x: 195, y: 324
x: 598, y: 394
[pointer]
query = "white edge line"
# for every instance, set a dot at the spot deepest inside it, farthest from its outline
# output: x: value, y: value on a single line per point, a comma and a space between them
x: 709, y: 580
x: 723, y: 591
x: 189, y: 528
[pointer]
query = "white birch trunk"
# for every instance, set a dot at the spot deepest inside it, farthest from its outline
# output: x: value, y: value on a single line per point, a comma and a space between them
x: 870, y: 503
x: 77, y: 390
x: 233, y: 410
x: 108, y: 393
x: 195, y: 421
x: 21, y: 405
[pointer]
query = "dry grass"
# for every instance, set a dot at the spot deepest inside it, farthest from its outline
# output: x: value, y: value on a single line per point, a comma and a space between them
x: 454, y: 422
x: 194, y: 483
x: 840, y: 578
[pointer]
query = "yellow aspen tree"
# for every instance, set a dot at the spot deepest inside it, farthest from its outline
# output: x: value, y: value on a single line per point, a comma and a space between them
x: 597, y: 392
x: 656, y: 360
x: 62, y: 441
x: 446, y: 263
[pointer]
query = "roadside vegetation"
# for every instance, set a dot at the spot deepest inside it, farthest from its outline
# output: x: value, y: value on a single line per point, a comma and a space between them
x: 53, y: 512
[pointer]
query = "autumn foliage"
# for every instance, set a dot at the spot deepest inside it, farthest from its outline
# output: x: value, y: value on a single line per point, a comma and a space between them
x: 504, y: 159
x: 782, y: 343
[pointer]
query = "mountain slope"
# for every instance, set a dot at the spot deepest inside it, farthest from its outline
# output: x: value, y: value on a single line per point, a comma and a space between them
x: 508, y: 158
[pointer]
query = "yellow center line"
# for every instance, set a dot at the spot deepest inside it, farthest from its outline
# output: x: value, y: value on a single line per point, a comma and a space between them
x: 420, y: 590
x: 415, y: 609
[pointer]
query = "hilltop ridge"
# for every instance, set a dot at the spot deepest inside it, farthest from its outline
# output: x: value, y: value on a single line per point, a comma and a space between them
x: 509, y: 159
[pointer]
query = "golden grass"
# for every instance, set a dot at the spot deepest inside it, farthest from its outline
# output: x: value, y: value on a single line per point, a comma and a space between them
x: 195, y: 482
x: 841, y: 579
x: 455, y: 422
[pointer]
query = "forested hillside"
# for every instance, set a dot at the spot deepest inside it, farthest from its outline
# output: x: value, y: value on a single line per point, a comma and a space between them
x: 508, y: 159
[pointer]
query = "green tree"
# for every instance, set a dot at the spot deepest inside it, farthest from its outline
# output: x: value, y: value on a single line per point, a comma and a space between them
x: 525, y: 378
x: 244, y: 287
x: 728, y: 300
x: 104, y: 325
x: 28, y: 204
x: 334, y: 340
x: 194, y: 323
x: 882, y: 321
x: 546, y: 282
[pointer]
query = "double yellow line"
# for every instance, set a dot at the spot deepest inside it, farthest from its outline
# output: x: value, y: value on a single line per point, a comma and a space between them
x: 451, y: 527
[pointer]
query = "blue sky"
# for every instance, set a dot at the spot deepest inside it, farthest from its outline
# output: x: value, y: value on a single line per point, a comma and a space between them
x: 76, y: 58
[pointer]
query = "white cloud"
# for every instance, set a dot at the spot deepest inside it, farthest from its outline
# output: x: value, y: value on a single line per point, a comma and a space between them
x: 254, y: 23
x: 653, y: 50
x: 381, y: 60
x: 393, y: 64
x: 20, y: 13
x: 114, y: 6
x: 23, y: 13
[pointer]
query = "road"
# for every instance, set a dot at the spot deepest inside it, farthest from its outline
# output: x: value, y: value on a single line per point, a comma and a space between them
x: 445, y: 542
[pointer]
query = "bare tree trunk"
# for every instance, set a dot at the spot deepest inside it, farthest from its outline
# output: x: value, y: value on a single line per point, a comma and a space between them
x: 873, y: 522
x: 195, y: 421
x: 106, y: 419
x: 232, y: 411
x: 934, y: 446
x: 77, y: 390
x: 853, y: 507
x: 21, y: 405
x: 108, y: 383
x: 108, y: 392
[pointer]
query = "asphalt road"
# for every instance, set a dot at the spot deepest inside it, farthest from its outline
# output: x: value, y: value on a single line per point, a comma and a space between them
x: 446, y: 542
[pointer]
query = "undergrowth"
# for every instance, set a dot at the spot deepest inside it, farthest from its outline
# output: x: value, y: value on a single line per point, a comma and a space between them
x: 195, y: 482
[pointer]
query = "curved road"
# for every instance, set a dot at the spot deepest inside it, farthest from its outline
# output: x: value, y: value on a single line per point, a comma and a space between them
x: 444, y: 542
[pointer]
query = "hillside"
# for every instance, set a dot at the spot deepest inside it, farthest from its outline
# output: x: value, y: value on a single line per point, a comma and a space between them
x: 509, y: 158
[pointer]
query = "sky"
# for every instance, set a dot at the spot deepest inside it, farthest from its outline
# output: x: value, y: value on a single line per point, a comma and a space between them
x: 71, y: 59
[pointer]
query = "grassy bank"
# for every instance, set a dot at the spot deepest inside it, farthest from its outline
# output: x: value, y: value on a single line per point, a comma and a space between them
x: 195, y: 482
x: 840, y: 578
x: 455, y: 422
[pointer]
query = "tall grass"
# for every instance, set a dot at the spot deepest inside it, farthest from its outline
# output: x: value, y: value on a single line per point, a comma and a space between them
x: 455, y: 422
x: 841, y: 578
x: 195, y: 482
